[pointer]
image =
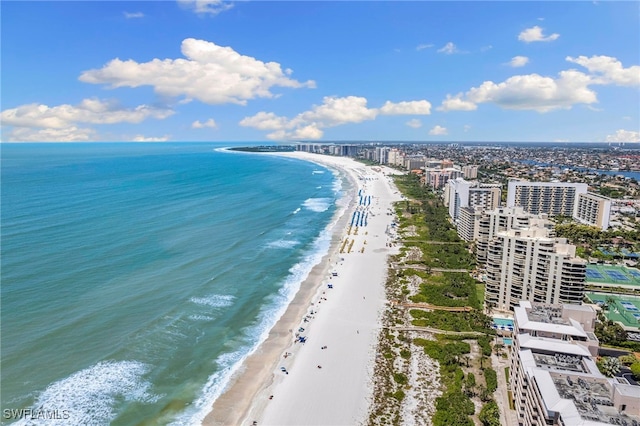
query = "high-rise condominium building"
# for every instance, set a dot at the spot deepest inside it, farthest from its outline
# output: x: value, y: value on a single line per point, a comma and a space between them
x: 481, y: 225
x: 528, y: 264
x: 593, y: 209
x: 396, y: 157
x: 382, y: 154
x: 437, y: 178
x: 462, y: 193
x: 552, y: 198
x: 554, y: 379
x: 470, y: 172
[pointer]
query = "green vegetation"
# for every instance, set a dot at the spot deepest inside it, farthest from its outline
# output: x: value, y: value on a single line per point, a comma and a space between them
x: 589, y: 238
x: 609, y: 366
x: 491, y: 378
x: 490, y: 414
x: 485, y: 343
x: 400, y: 378
x: 635, y: 370
x: 451, y: 321
x: 410, y: 187
x: 449, y: 256
x: 612, y: 334
x: 453, y: 407
x: 449, y: 289
x: 480, y: 289
x: 611, y: 192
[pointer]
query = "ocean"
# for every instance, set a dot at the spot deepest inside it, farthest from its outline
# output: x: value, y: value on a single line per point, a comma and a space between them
x: 137, y: 277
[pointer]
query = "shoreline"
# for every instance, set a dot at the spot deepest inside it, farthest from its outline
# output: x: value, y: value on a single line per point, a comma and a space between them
x: 259, y: 392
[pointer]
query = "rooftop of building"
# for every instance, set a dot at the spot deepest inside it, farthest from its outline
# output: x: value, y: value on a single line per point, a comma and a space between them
x: 552, y: 347
x: 520, y: 182
x: 595, y: 195
x: 584, y: 400
x: 547, y: 318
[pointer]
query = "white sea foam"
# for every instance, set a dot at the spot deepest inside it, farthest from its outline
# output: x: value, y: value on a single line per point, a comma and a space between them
x: 201, y: 318
x: 296, y: 211
x: 88, y: 397
x: 214, y: 300
x: 317, y: 205
x: 318, y: 172
x: 283, y: 244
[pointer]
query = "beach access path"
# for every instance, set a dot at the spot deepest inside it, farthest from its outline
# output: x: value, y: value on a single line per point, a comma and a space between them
x: 328, y: 379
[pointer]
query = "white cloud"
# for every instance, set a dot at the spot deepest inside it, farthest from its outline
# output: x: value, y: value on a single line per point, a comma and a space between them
x: 438, y: 130
x: 206, y: 7
x: 307, y: 132
x: 535, y: 92
x: 265, y: 121
x: 406, y: 108
x: 609, y: 70
x: 68, y: 134
x: 449, y: 49
x: 141, y: 138
x: 211, y: 123
x: 486, y: 48
x: 415, y: 123
x: 92, y: 111
x: 210, y: 73
x: 423, y: 46
x: 543, y: 94
x: 336, y: 111
x: 535, y: 34
x: 467, y: 128
x: 561, y: 140
x: 333, y: 111
x: 519, y: 61
x: 133, y: 15
x: 624, y: 136
x: 456, y: 103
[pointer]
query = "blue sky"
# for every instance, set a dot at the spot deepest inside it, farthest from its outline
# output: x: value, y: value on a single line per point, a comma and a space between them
x: 296, y: 70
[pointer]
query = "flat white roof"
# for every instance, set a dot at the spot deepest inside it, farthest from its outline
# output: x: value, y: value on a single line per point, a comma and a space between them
x: 522, y: 318
x: 552, y: 345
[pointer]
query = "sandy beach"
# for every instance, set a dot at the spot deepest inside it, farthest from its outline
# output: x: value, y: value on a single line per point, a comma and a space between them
x: 326, y: 380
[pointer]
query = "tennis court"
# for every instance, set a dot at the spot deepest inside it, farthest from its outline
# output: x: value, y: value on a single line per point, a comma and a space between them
x: 610, y: 275
x: 624, y: 309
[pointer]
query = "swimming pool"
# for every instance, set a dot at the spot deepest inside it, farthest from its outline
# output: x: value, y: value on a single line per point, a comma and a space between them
x: 507, y: 341
x: 503, y: 322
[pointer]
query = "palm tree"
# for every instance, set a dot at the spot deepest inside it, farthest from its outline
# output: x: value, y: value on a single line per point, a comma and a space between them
x: 610, y: 302
x: 610, y: 366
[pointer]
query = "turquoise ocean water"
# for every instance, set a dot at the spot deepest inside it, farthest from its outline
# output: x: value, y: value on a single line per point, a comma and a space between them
x: 137, y: 277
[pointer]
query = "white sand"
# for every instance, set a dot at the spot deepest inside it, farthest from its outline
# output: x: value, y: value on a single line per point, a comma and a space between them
x: 347, y: 323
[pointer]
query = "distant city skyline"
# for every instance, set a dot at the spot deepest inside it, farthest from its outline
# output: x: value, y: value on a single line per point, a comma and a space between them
x: 206, y: 70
